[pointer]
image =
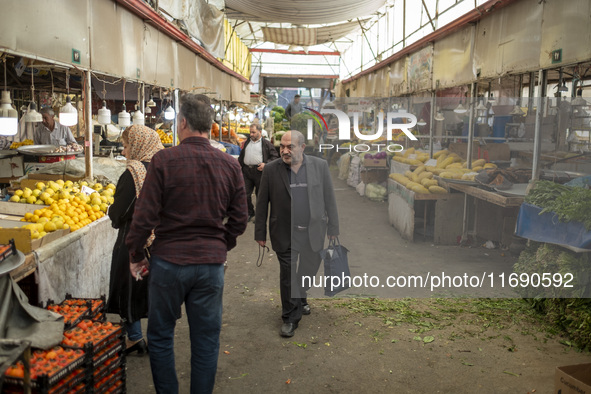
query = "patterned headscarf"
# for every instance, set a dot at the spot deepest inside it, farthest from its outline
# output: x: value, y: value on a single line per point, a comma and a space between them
x: 143, y: 142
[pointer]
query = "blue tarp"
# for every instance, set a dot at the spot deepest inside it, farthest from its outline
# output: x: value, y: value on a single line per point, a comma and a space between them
x: 547, y: 228
x: 231, y: 148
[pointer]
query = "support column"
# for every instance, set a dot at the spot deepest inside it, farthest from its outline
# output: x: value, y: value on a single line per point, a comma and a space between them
x: 88, y: 134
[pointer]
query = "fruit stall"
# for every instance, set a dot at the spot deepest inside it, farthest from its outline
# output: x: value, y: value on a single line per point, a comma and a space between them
x: 64, y: 233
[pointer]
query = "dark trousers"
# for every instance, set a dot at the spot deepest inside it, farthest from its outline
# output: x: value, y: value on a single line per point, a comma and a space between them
x: 252, y: 180
x: 295, y: 263
x: 200, y: 287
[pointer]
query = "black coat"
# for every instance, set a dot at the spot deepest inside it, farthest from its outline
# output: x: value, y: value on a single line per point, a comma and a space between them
x: 269, y: 152
x: 127, y: 297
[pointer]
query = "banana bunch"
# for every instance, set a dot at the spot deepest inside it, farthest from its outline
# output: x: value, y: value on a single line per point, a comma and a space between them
x: 419, y: 181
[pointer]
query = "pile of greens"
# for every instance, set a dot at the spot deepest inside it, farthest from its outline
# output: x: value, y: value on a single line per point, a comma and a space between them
x: 573, y: 315
x: 568, y: 203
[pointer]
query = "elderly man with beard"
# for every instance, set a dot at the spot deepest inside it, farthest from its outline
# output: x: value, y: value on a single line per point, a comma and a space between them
x: 255, y: 154
x: 299, y: 190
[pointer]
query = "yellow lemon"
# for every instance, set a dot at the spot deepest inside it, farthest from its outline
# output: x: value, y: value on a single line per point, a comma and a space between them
x: 27, y: 192
x: 60, y: 182
x: 28, y: 216
x: 66, y: 226
x: 23, y: 200
x: 50, y: 191
x: 110, y: 186
x: 43, y: 219
x: 40, y: 185
x: 15, y: 198
x: 37, y: 192
x: 49, y: 227
x: 104, y: 207
x: 35, y: 234
x: 18, y: 192
x: 42, y: 234
x: 83, y: 183
x: 69, y: 183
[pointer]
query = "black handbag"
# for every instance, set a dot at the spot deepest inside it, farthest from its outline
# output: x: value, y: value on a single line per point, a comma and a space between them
x: 336, y: 268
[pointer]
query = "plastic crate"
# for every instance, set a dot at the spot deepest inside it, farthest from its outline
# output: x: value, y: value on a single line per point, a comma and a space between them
x: 47, y: 371
x: 13, y: 351
x: 97, y: 305
x: 91, y: 332
x: 108, y: 381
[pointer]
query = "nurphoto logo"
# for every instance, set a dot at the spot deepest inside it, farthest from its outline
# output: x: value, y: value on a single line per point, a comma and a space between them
x: 344, y: 127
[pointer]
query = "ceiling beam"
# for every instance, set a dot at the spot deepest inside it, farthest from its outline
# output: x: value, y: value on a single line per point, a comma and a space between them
x: 286, y: 52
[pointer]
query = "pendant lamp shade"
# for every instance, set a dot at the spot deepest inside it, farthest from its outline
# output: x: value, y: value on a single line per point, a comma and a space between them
x: 124, y: 119
x: 8, y: 116
x: 68, y: 114
x: 104, y: 115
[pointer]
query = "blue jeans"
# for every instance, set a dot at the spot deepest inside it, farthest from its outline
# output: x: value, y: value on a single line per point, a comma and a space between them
x: 134, y: 330
x: 200, y: 287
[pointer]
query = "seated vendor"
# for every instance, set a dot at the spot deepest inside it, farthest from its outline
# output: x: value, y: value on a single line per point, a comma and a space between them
x: 51, y: 132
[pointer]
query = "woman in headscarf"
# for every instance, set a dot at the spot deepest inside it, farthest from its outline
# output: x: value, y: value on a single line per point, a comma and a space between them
x: 128, y: 297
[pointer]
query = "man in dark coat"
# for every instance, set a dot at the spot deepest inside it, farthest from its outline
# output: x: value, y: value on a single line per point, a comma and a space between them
x: 257, y: 152
x: 303, y: 212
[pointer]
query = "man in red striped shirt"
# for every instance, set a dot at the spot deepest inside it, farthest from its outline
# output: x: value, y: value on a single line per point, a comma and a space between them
x: 188, y: 192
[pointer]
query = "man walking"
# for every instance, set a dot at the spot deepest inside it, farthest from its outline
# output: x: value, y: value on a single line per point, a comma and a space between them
x: 303, y: 211
x: 293, y: 108
x: 188, y: 192
x: 257, y: 152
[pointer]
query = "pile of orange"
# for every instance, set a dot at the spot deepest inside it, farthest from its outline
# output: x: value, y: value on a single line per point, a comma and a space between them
x: 88, y: 331
x: 70, y: 313
x: 95, y: 303
x: 46, y: 362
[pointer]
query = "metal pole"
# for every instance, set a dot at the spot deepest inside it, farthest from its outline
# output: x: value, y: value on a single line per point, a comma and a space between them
x: 176, y: 111
x: 431, y: 125
x: 142, y: 99
x: 471, y: 124
x: 530, y: 99
x: 468, y: 159
x: 542, y: 75
x: 88, y: 134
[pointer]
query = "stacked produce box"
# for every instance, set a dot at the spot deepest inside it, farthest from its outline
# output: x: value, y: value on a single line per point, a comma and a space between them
x: 90, y: 358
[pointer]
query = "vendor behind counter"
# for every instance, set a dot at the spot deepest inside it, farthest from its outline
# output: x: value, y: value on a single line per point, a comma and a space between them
x: 51, y: 132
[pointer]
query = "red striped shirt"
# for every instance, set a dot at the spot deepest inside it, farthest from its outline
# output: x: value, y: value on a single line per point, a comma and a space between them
x: 188, y: 192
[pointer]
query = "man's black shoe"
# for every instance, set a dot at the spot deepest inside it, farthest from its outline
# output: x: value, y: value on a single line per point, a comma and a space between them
x: 306, y: 310
x: 288, y: 329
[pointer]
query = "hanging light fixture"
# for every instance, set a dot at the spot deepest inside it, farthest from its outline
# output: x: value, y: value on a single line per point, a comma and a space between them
x: 460, y: 109
x: 151, y: 103
x: 579, y: 100
x: 104, y: 114
x: 68, y: 114
x: 32, y: 114
x: 8, y: 115
x: 439, y: 116
x: 123, y: 119
x: 138, y: 117
x: 421, y: 122
x: 491, y: 98
x: 169, y: 113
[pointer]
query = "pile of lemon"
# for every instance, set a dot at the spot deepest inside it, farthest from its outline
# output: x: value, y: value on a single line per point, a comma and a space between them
x: 15, y: 145
x: 165, y: 138
x: 68, y: 207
